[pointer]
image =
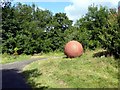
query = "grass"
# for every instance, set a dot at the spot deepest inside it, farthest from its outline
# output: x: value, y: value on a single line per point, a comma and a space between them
x: 48, y: 55
x: 6, y: 58
x: 81, y: 72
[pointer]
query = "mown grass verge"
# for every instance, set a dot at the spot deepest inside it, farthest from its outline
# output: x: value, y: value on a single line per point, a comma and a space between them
x: 81, y: 72
x: 6, y: 58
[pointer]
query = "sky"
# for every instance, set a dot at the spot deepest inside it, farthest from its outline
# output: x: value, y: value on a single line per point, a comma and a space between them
x: 74, y: 9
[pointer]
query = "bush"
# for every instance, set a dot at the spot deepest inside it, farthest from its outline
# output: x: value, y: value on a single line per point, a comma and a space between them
x: 110, y: 39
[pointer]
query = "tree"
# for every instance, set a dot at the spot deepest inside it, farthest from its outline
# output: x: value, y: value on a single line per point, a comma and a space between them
x: 23, y: 27
x: 92, y: 25
x: 101, y: 28
x: 30, y: 30
x: 110, y: 39
x: 55, y: 31
x: 8, y: 29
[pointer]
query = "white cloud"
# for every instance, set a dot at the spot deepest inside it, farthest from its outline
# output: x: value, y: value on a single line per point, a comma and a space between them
x: 78, y: 8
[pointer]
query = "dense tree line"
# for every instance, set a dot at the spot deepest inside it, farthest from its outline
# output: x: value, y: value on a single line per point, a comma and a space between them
x: 28, y: 29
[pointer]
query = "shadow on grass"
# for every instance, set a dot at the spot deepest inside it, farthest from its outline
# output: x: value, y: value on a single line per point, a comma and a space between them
x: 65, y: 57
x: 106, y: 54
x: 102, y: 53
x: 34, y: 73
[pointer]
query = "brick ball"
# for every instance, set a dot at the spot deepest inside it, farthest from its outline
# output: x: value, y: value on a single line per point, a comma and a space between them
x: 73, y: 49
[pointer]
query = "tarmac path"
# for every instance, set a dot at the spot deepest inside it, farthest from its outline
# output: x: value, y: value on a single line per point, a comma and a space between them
x: 12, y: 76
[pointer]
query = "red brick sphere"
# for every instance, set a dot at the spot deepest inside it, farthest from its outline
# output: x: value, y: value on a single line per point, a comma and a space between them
x: 73, y: 49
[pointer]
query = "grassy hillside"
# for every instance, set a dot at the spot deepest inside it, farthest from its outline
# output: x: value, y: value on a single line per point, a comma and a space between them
x: 87, y: 71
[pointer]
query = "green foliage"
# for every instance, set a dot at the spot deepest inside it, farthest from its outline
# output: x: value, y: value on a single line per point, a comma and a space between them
x: 33, y: 30
x: 110, y: 39
x: 54, y: 32
x: 90, y: 26
x: 100, y: 28
x: 21, y: 29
